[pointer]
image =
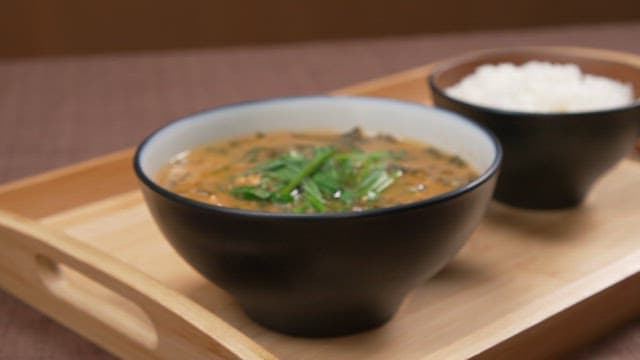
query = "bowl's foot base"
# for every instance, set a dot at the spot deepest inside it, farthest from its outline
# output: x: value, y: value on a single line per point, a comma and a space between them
x: 321, y: 325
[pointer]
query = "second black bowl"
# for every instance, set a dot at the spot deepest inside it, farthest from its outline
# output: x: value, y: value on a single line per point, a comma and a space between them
x: 551, y: 160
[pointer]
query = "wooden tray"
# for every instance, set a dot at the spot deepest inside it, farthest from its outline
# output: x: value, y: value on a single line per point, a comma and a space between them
x: 79, y: 245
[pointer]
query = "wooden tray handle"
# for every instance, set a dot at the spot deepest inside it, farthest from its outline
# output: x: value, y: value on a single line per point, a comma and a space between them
x: 155, y: 322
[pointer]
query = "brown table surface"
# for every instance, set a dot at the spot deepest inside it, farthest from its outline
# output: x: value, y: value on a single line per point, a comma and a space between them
x: 56, y: 111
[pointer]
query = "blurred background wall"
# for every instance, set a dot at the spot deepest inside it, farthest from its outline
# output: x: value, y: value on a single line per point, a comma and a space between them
x: 54, y: 27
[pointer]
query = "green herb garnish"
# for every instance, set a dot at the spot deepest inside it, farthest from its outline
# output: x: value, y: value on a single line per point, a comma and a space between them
x: 326, y: 180
x: 322, y: 155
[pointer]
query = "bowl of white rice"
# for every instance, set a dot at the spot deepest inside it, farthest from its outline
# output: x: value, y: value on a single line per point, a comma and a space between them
x: 564, y: 116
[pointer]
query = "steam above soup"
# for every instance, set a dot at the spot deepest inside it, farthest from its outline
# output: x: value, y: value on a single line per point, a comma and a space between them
x: 314, y: 172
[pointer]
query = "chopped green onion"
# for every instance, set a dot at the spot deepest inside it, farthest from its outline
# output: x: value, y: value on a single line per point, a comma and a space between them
x: 324, y: 180
x: 322, y: 155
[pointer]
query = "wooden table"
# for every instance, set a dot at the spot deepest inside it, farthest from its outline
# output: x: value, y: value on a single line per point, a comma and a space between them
x: 61, y: 110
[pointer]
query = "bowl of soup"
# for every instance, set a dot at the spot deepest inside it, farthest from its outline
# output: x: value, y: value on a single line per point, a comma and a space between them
x: 565, y: 116
x: 318, y: 214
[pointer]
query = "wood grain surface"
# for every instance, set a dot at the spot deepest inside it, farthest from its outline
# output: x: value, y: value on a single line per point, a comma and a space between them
x: 81, y: 107
x: 86, y: 289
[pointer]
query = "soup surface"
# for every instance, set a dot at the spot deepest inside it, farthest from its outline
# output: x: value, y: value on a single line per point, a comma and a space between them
x: 314, y: 172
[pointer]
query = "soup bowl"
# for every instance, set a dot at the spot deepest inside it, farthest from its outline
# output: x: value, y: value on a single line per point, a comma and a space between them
x: 320, y: 274
x: 551, y: 160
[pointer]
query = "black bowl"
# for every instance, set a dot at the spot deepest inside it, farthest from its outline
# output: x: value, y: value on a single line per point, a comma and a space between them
x: 327, y: 274
x: 550, y: 160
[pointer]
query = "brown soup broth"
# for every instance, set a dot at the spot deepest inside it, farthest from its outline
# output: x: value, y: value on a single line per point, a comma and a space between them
x: 210, y: 173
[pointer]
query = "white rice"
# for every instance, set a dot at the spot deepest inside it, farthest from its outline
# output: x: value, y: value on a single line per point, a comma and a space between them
x: 538, y: 86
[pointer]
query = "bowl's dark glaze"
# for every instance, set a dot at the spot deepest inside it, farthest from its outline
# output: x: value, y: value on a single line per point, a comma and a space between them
x: 550, y: 160
x: 321, y: 274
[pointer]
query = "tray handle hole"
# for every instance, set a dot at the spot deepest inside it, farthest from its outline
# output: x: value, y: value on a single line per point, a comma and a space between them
x: 97, y: 301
